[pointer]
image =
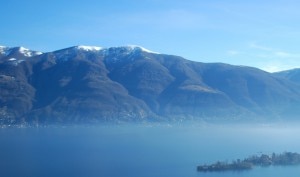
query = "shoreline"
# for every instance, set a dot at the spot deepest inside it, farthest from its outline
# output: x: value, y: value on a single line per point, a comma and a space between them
x: 264, y: 160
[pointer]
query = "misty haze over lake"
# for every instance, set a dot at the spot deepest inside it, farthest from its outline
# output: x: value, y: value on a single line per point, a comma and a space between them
x: 142, y: 150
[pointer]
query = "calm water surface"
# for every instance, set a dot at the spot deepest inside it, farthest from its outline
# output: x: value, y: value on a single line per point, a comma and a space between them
x: 141, y: 150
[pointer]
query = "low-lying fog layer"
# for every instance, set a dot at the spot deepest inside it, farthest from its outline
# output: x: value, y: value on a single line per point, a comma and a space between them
x: 142, y: 150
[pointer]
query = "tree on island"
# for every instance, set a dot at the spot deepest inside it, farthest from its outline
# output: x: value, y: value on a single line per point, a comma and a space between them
x: 286, y: 158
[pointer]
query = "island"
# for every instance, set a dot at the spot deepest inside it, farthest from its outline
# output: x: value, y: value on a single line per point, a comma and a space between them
x: 286, y: 158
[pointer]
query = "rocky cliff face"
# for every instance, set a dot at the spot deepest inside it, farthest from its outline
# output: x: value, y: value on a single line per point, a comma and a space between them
x: 92, y: 84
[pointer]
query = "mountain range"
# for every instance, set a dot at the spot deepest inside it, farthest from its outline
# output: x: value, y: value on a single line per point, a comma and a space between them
x: 132, y: 84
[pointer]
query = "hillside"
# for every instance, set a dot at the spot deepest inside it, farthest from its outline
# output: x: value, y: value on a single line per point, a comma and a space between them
x: 292, y: 75
x: 93, y: 84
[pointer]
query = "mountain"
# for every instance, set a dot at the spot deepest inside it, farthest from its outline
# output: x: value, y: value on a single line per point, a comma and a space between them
x: 130, y: 83
x: 292, y: 75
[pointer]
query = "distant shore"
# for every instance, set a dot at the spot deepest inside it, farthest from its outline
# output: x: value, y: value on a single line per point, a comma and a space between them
x: 286, y: 158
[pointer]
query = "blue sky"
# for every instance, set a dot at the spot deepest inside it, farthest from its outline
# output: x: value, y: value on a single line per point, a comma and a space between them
x: 259, y: 33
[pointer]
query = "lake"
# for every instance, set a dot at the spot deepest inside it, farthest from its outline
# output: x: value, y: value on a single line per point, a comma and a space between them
x: 142, y: 150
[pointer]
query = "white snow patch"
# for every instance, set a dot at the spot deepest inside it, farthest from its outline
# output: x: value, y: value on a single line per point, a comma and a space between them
x: 2, y: 47
x: 23, y: 49
x: 15, y: 62
x: 128, y: 49
x: 4, y: 50
x: 28, y: 53
x: 25, y: 52
x: 117, y: 53
x: 89, y: 48
x: 38, y: 53
x: 135, y: 47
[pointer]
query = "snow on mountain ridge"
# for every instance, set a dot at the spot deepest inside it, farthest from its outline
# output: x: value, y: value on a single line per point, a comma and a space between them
x: 117, y: 54
x: 134, y: 47
x: 107, y: 51
x: 89, y: 48
x: 127, y: 49
x: 4, y: 50
x: 28, y: 53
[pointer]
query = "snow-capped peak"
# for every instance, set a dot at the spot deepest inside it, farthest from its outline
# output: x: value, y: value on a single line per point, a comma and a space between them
x: 22, y: 50
x: 4, y: 50
x: 88, y: 48
x: 136, y: 47
x: 128, y: 48
x: 125, y: 50
x: 27, y: 52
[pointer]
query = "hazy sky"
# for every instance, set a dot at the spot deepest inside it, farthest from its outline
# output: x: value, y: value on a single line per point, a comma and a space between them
x: 260, y: 33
